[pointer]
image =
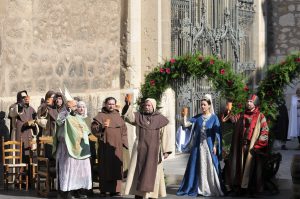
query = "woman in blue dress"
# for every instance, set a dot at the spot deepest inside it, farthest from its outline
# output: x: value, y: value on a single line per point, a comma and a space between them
x: 203, y: 173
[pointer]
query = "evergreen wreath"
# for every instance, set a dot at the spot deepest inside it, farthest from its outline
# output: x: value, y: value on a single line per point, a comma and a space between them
x: 277, y: 77
x: 224, y: 79
x: 231, y: 85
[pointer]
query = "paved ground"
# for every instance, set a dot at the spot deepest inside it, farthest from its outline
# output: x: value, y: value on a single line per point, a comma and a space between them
x: 174, y: 170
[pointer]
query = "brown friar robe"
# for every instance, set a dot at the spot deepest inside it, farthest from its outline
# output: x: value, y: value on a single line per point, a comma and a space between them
x: 145, y: 176
x: 50, y: 114
x: 19, y: 127
x: 46, y: 119
x: 111, y: 143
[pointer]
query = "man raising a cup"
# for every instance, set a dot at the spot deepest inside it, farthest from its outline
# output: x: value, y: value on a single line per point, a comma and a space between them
x: 111, y: 129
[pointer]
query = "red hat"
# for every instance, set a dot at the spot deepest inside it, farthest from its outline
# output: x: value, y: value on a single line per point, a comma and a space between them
x: 254, y: 98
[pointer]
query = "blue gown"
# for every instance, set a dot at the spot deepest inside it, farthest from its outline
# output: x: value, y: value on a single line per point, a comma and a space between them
x: 203, y: 144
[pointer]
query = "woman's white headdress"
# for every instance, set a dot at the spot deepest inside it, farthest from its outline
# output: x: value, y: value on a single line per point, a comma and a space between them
x: 82, y: 103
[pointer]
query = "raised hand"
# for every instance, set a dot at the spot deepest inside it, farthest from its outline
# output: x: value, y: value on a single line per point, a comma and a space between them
x: 128, y: 99
x: 184, y: 111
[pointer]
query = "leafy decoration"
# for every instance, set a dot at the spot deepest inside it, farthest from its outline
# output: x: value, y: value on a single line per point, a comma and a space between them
x: 230, y: 84
x: 277, y: 77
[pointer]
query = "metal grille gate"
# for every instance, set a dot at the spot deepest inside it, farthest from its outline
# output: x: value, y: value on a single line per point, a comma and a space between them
x: 218, y: 27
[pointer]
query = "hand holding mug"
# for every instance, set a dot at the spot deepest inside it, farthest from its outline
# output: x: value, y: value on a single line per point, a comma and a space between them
x: 184, y: 111
x: 229, y: 107
x: 106, y: 123
x: 128, y: 98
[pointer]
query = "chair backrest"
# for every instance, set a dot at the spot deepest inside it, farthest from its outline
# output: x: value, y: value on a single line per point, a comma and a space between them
x: 41, y: 145
x: 12, y: 151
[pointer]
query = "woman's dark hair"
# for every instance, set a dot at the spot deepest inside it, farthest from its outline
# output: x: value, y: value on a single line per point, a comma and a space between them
x: 49, y: 94
x: 19, y: 95
x: 207, y: 100
x: 57, y: 95
x: 110, y: 98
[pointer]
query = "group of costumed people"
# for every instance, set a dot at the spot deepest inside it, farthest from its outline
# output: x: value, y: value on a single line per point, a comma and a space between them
x: 65, y: 120
x: 242, y: 174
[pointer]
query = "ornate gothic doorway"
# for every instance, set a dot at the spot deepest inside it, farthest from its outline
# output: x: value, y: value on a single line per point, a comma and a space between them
x: 217, y: 27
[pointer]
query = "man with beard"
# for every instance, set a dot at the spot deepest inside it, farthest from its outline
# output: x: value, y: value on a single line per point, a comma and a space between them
x: 72, y: 151
x: 145, y: 176
x: 111, y: 130
x: 22, y: 117
x: 249, y: 144
x: 22, y: 124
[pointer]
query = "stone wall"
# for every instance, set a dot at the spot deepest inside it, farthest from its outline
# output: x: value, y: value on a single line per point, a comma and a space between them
x: 96, y: 48
x: 47, y: 44
x: 283, y: 33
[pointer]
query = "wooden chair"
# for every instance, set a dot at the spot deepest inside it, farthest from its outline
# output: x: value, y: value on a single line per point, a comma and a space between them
x: 46, y: 170
x: 33, y: 165
x: 94, y: 160
x: 14, y: 170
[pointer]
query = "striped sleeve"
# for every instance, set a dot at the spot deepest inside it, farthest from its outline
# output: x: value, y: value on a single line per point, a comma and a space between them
x: 263, y: 138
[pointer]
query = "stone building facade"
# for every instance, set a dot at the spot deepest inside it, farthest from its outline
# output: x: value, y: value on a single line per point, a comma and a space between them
x: 48, y: 44
x: 283, y: 34
x: 283, y: 27
x: 95, y: 48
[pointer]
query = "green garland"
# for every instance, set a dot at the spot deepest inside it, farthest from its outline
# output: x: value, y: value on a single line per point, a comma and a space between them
x: 277, y: 77
x: 225, y: 80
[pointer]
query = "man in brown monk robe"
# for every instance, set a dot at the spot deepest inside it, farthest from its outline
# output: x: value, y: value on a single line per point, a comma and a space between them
x: 145, y: 176
x: 22, y: 123
x: 22, y: 117
x: 111, y: 130
x: 47, y: 115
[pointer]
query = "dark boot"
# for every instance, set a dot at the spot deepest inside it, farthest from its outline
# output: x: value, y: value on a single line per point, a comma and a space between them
x: 70, y: 195
x: 61, y: 195
x: 138, y: 197
x: 79, y: 194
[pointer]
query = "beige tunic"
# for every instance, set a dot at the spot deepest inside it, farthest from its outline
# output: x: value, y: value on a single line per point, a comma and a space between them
x: 141, y: 170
